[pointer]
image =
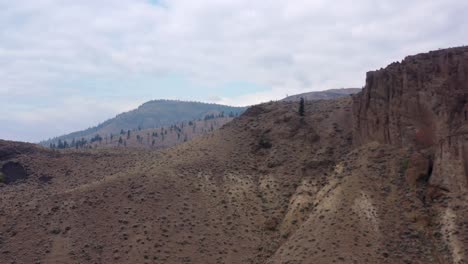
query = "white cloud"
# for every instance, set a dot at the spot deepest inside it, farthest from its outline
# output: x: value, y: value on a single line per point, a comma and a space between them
x: 289, y: 46
x: 249, y: 99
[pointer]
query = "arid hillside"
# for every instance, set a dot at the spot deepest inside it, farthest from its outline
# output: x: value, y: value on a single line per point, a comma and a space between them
x: 355, y: 180
x: 154, y: 138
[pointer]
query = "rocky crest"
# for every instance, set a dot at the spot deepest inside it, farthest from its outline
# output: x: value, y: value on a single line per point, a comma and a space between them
x: 323, y: 95
x: 11, y: 149
x: 421, y: 103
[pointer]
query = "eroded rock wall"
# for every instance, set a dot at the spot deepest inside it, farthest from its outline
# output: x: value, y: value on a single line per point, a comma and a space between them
x: 421, y: 103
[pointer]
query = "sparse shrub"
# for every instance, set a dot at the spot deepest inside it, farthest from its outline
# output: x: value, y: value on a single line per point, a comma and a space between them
x: 2, y: 177
x: 404, y: 165
x: 264, y: 143
x: 271, y: 224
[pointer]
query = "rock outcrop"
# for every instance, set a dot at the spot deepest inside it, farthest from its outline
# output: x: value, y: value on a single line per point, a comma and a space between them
x: 11, y: 149
x: 421, y: 103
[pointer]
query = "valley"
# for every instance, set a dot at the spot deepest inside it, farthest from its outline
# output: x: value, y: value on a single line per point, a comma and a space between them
x: 379, y: 176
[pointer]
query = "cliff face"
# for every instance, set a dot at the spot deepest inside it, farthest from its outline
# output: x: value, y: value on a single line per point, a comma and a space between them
x: 421, y: 103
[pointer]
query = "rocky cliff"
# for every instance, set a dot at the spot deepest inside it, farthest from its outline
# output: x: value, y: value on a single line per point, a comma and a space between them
x: 421, y: 103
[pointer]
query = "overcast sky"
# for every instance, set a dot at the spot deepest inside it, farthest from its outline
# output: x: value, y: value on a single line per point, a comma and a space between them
x: 66, y: 65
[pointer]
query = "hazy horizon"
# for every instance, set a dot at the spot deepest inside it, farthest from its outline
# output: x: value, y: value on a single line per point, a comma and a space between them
x: 68, y: 65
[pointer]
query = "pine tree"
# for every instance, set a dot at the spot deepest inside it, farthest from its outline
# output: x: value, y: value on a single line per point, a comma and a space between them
x: 60, y: 144
x: 301, y: 107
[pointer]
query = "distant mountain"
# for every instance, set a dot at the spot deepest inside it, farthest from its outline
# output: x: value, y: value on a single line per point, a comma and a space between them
x: 323, y: 95
x: 152, y: 114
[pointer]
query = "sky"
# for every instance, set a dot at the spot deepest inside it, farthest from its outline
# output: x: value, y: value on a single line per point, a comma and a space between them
x: 66, y: 65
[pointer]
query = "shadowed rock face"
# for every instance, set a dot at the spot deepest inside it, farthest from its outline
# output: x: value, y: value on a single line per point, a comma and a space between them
x: 422, y: 103
x: 14, y: 172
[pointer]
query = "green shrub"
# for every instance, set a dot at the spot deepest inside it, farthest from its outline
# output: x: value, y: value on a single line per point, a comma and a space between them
x: 404, y: 165
x: 2, y: 177
x: 264, y: 143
